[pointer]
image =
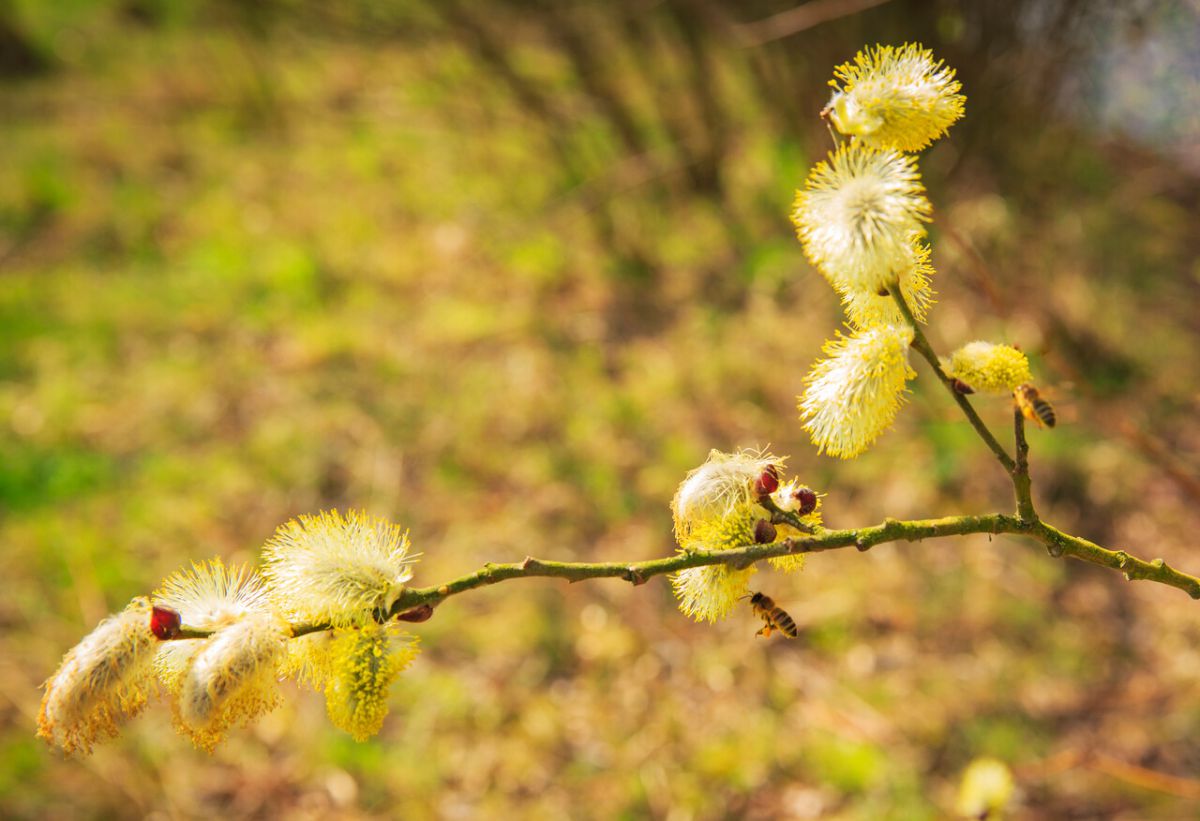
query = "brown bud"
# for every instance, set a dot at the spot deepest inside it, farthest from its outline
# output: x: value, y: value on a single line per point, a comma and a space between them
x: 806, y: 497
x: 764, y: 532
x: 961, y: 387
x: 420, y: 613
x: 767, y: 482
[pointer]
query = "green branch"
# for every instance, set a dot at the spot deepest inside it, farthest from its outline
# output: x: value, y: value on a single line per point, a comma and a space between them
x: 1059, y: 544
x: 891, y: 530
x: 922, y: 346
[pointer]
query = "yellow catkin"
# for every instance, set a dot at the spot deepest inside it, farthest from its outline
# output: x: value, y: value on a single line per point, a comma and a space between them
x: 363, y: 664
x: 858, y: 215
x: 785, y: 499
x: 710, y: 592
x: 866, y: 309
x: 232, y: 679
x: 724, y: 482
x: 101, y: 682
x: 336, y: 568
x: 990, y: 368
x: 853, y: 394
x: 207, y: 596
x: 898, y: 98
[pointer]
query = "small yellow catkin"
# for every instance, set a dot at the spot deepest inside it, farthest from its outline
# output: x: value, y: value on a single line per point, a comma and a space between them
x: 866, y: 309
x: 363, y: 664
x: 985, y: 790
x: 207, y: 596
x: 101, y: 682
x: 232, y: 679
x: 787, y: 498
x: 990, y: 368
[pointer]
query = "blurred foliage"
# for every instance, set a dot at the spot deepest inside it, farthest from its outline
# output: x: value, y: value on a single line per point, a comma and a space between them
x: 503, y: 272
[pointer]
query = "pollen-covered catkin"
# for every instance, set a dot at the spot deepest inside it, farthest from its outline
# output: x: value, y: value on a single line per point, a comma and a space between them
x: 363, y: 664
x: 207, y: 596
x: 853, y: 394
x: 723, y: 483
x: 710, y: 592
x: 795, y: 497
x: 990, y: 368
x: 232, y: 679
x: 858, y: 215
x: 336, y: 569
x: 866, y: 309
x: 102, y: 681
x: 898, y: 98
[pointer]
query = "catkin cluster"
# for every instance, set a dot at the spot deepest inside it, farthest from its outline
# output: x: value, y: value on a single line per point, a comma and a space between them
x: 218, y: 640
x: 726, y: 503
x: 861, y: 218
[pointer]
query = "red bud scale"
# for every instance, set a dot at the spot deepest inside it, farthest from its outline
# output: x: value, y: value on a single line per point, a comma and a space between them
x: 164, y: 622
x: 806, y: 498
x: 767, y: 482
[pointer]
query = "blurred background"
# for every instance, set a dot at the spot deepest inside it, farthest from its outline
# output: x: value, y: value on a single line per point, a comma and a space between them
x: 503, y: 272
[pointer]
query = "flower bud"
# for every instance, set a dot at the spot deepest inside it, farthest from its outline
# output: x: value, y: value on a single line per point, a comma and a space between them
x: 164, y: 623
x: 767, y: 481
x: 764, y: 532
x: 806, y: 500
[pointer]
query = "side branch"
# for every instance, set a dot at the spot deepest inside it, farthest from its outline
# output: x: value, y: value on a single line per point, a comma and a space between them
x: 1022, y: 484
x: 922, y: 346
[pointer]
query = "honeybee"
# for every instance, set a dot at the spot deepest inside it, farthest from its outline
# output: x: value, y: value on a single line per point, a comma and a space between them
x: 1033, y: 407
x: 775, y: 617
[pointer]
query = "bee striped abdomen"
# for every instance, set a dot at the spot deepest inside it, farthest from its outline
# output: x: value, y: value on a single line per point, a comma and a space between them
x: 775, y: 618
x: 1033, y: 407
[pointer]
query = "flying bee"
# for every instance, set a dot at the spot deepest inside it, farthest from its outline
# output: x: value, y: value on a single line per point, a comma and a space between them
x: 775, y: 617
x: 1033, y: 407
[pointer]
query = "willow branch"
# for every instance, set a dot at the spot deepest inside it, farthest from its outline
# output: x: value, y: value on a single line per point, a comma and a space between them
x: 922, y: 346
x: 1059, y: 544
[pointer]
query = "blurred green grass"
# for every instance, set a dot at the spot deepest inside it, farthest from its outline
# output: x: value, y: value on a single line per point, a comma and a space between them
x: 261, y: 263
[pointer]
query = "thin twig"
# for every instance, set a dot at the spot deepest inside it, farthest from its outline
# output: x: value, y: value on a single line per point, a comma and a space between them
x: 801, y: 18
x: 1022, y: 484
x: 922, y: 346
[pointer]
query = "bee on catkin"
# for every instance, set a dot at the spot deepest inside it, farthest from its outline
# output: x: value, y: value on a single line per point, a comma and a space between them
x: 1033, y: 407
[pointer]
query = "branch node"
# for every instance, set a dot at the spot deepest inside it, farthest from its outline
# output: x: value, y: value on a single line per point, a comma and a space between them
x: 529, y: 563
x: 1054, y: 548
x: 861, y: 545
x: 634, y: 576
x: 1122, y: 559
